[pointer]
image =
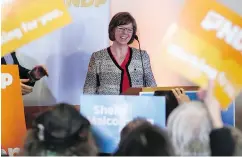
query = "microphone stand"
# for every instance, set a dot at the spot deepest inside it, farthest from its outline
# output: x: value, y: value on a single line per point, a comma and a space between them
x: 141, y: 57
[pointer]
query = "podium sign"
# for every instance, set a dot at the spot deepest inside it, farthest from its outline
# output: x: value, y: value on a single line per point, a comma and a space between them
x: 109, y: 114
x: 206, y: 44
x: 26, y: 20
x: 13, y: 121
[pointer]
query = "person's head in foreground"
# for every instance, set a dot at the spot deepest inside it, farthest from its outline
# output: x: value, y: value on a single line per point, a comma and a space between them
x: 122, y: 28
x: 128, y: 128
x: 145, y: 140
x: 237, y: 136
x: 189, y: 127
x: 60, y: 131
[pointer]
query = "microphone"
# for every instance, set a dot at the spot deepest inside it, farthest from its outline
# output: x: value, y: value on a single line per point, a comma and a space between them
x: 141, y: 57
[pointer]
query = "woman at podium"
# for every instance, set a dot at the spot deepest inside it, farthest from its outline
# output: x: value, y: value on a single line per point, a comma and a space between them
x: 116, y: 68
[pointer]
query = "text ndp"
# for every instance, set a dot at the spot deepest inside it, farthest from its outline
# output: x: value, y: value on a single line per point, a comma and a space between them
x: 7, y: 80
x: 225, y: 29
x: 84, y: 3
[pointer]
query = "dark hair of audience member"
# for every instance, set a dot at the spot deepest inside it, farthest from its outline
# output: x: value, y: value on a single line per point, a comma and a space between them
x: 171, y: 101
x: 128, y: 128
x: 60, y: 131
x: 145, y: 140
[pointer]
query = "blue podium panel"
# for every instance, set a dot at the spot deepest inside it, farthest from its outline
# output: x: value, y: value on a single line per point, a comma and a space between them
x: 228, y: 116
x: 109, y: 114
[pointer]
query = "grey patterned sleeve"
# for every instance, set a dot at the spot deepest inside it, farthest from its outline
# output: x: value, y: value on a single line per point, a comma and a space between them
x: 90, y: 86
x: 149, y: 77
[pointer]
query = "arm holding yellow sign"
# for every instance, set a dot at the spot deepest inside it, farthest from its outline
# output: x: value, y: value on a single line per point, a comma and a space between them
x: 28, y: 77
x: 221, y: 138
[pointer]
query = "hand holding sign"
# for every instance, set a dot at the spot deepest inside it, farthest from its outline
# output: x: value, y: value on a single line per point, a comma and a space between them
x: 180, y: 95
x: 25, y: 88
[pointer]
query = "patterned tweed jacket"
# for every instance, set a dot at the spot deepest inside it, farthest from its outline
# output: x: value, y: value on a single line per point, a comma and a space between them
x: 104, y: 75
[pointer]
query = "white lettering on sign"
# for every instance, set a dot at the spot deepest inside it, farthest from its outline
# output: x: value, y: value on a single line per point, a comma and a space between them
x: 28, y: 26
x: 200, y: 63
x: 11, y: 35
x: 225, y: 29
x: 7, y: 80
x: 188, y: 57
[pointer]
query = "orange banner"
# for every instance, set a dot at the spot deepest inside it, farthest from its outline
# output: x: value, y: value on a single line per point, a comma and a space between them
x: 13, y: 121
x: 26, y: 20
x: 206, y: 43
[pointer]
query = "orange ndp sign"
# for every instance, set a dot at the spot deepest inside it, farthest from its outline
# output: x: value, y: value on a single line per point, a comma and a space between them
x: 26, y: 20
x: 13, y: 121
x: 206, y: 44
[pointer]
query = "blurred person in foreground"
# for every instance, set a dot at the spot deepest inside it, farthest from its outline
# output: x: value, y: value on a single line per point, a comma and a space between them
x: 189, y: 127
x: 196, y: 128
x: 115, y: 69
x: 25, y: 82
x: 237, y: 137
x: 128, y: 128
x: 224, y: 140
x: 141, y: 138
x: 62, y: 131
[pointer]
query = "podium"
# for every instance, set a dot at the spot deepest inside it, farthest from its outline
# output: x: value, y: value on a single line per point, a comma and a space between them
x: 110, y: 113
x: 136, y: 91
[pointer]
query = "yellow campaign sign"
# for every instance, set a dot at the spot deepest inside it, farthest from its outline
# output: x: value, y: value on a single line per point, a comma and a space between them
x: 206, y: 44
x: 26, y: 20
x: 13, y: 124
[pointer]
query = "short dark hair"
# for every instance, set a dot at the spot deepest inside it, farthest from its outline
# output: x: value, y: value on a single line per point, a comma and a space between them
x: 146, y: 140
x: 121, y: 18
x: 132, y: 125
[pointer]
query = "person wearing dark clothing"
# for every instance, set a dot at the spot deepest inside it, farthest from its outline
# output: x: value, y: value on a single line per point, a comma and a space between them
x: 221, y: 142
x: 26, y: 84
x: 23, y: 72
